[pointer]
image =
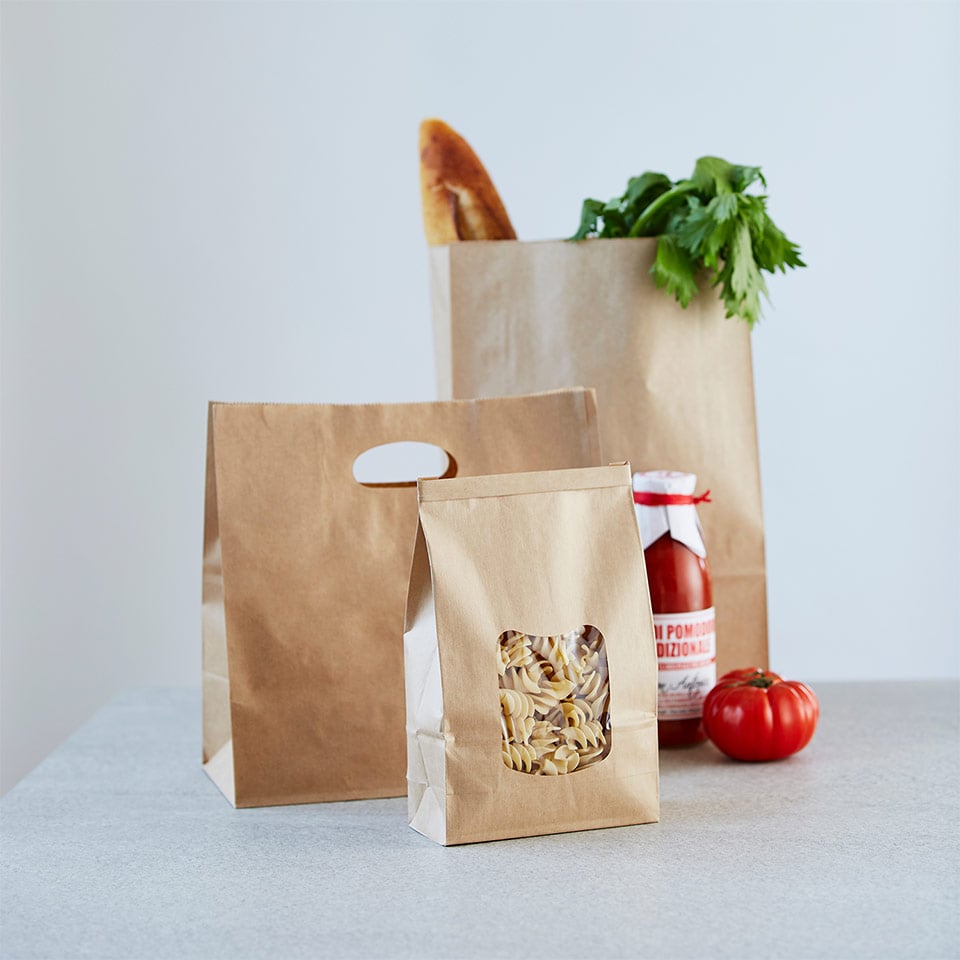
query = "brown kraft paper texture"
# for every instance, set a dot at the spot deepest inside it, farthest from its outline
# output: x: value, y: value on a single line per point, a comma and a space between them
x: 674, y: 386
x: 305, y: 576
x: 542, y: 554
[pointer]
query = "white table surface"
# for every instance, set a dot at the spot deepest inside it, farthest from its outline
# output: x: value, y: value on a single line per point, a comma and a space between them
x: 119, y: 846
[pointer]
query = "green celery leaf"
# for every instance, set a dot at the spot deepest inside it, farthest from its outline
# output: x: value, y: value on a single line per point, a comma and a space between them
x: 743, y: 177
x: 791, y: 256
x: 614, y: 225
x: 716, y: 243
x: 655, y: 218
x: 745, y: 276
x: 589, y: 215
x: 740, y: 280
x: 643, y: 190
x: 694, y: 226
x: 724, y: 207
x: 707, y: 221
x: 674, y: 270
x: 713, y: 176
x: 772, y: 249
x: 706, y: 229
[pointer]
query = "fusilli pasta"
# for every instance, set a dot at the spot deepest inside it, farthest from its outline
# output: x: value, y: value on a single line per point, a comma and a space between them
x: 554, y: 701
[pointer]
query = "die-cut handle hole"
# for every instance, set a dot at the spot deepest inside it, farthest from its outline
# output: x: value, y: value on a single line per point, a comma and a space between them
x: 401, y: 463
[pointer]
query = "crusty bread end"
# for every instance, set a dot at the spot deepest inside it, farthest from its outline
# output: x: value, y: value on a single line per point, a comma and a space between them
x: 459, y: 199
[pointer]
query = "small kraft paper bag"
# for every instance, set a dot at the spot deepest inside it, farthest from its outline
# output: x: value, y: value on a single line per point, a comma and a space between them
x: 530, y: 666
x: 306, y: 572
x: 674, y: 386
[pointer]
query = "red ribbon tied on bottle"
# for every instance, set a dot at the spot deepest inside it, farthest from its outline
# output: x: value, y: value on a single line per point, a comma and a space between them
x: 646, y: 499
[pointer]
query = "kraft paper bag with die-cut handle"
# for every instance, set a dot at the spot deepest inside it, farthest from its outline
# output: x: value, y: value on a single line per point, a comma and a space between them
x: 305, y: 579
x: 531, y: 672
x: 674, y: 386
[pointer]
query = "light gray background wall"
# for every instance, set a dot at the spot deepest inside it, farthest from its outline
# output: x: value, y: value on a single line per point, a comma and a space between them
x: 221, y: 201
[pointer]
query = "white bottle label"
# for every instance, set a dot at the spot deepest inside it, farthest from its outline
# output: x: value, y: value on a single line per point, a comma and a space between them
x: 687, y: 662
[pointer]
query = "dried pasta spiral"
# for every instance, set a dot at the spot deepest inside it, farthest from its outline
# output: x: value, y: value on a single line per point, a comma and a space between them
x: 554, y: 701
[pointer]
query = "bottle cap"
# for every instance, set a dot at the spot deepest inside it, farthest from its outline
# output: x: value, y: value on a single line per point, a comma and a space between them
x: 680, y: 521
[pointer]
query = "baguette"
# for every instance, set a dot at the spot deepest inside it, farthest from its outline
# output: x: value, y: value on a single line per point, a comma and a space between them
x: 459, y: 199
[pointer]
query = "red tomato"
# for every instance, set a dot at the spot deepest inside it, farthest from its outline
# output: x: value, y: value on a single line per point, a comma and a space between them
x: 756, y: 715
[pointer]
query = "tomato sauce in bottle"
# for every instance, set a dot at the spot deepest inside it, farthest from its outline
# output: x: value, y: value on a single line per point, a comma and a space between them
x: 681, y: 594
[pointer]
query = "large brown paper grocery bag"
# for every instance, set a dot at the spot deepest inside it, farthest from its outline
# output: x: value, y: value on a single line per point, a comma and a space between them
x: 305, y: 577
x: 674, y: 386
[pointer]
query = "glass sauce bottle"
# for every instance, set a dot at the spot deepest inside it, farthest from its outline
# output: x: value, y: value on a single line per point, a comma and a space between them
x: 681, y: 594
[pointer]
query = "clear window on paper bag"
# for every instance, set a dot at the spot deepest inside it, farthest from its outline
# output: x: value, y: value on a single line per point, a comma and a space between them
x: 554, y: 701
